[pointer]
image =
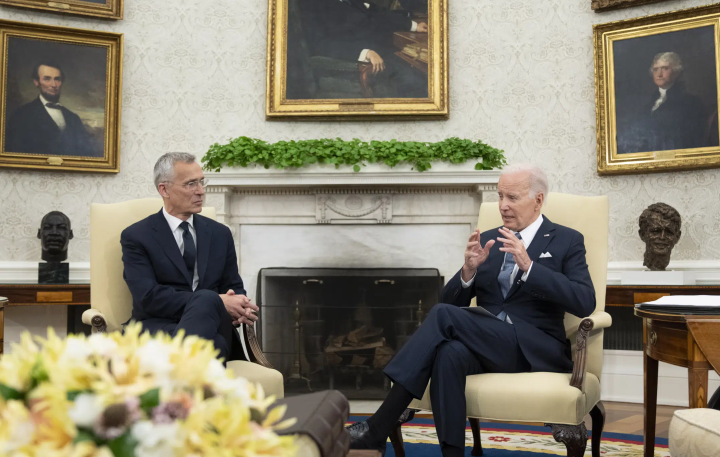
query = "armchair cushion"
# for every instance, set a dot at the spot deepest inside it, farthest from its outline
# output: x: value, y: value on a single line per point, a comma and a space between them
x: 271, y: 380
x: 536, y: 397
x: 695, y: 433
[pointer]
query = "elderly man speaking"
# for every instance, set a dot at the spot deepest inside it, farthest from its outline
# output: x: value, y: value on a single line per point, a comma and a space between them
x: 525, y: 276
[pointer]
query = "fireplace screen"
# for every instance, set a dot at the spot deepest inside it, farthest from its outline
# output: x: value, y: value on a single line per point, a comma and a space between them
x: 338, y: 328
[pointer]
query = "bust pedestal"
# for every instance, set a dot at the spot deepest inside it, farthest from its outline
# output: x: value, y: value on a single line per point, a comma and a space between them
x: 54, y: 273
x: 653, y: 278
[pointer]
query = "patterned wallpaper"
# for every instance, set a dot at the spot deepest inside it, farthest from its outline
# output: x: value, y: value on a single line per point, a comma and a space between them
x: 521, y: 79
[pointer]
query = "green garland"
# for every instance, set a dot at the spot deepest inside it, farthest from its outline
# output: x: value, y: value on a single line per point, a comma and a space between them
x: 244, y: 151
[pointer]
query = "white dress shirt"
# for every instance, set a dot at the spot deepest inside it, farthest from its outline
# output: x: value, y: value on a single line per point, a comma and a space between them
x: 661, y: 100
x: 177, y: 232
x: 527, y: 235
x: 55, y: 113
x: 363, y: 54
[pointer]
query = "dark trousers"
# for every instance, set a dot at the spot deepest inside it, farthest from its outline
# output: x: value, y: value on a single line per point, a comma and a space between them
x: 205, y: 316
x: 407, y: 81
x: 453, y: 343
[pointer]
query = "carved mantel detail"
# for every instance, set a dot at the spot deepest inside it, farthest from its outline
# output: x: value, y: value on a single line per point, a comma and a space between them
x: 355, y: 208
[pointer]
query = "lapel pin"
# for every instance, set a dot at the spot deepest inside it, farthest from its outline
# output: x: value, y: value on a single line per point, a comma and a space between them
x: 547, y: 234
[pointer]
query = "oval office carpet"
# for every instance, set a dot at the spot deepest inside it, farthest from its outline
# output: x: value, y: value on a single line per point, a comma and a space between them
x: 512, y: 440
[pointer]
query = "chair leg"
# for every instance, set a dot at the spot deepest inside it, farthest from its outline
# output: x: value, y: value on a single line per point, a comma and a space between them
x: 396, y: 440
x: 365, y: 74
x: 477, y: 445
x: 573, y: 436
x: 598, y: 423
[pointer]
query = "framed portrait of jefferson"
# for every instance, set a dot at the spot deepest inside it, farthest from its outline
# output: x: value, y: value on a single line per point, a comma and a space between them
x: 657, y: 87
x: 350, y: 59
x: 59, y: 98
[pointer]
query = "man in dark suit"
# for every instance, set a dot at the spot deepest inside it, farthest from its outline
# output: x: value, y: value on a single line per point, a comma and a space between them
x: 529, y: 273
x: 361, y: 31
x: 672, y: 118
x: 44, y: 126
x: 168, y: 266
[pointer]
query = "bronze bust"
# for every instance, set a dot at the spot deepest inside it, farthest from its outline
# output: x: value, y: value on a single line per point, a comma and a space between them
x: 660, y: 230
x: 55, y: 233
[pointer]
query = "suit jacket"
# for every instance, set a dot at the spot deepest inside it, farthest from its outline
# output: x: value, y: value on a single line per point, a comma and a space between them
x: 342, y: 29
x: 31, y: 130
x: 681, y: 122
x: 156, y: 274
x: 537, y: 307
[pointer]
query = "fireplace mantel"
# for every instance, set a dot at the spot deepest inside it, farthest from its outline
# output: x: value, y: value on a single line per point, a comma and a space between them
x: 441, y: 174
x: 320, y: 216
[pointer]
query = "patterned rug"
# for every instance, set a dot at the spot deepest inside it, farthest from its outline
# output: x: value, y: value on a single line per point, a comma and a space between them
x: 511, y: 440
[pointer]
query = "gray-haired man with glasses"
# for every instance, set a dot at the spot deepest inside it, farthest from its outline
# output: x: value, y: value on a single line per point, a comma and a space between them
x: 181, y: 267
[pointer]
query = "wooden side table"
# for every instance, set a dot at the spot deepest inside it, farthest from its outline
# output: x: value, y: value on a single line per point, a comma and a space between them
x: 41, y: 294
x: 690, y: 341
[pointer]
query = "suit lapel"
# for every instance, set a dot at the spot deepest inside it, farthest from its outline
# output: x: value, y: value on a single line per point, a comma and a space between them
x: 45, y: 121
x: 544, y: 235
x: 202, y: 230
x: 166, y: 240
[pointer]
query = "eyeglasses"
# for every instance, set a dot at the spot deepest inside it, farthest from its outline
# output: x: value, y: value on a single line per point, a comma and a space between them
x: 192, y: 185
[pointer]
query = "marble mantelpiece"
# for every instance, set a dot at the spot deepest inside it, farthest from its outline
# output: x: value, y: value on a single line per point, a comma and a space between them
x: 320, y: 216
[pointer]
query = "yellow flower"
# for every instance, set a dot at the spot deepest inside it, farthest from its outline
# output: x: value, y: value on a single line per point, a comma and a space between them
x: 119, y: 368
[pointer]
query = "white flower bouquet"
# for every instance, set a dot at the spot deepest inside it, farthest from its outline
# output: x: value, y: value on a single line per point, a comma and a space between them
x: 131, y: 395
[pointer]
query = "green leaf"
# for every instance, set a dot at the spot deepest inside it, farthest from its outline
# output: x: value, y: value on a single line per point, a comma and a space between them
x: 38, y: 374
x: 72, y: 394
x: 84, y: 435
x: 356, y: 168
x: 8, y: 393
x: 123, y: 446
x: 149, y: 400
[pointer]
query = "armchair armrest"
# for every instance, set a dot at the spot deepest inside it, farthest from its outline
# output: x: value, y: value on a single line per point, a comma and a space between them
x: 95, y: 318
x: 253, y: 346
x: 599, y: 320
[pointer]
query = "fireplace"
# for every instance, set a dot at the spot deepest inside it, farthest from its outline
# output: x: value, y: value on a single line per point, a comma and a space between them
x: 337, y: 328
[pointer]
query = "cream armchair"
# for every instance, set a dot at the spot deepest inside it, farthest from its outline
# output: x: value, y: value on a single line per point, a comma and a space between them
x: 559, y: 400
x: 110, y: 297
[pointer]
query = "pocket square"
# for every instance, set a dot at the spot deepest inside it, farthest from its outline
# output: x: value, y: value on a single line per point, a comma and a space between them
x: 545, y: 255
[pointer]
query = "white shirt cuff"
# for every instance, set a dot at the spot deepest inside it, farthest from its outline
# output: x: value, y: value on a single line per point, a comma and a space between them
x: 465, y: 285
x: 363, y: 56
x: 413, y: 27
x: 525, y: 275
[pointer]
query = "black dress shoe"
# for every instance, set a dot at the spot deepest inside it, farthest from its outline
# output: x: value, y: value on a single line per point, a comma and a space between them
x: 361, y: 438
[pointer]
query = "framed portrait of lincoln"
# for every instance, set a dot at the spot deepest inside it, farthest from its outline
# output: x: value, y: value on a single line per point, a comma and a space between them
x: 59, y: 98
x: 107, y: 9
x: 350, y: 59
x: 657, y: 87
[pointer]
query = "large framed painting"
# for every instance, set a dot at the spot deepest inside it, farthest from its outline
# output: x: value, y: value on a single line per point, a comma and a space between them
x: 59, y: 98
x: 607, y: 5
x: 357, y: 59
x: 109, y: 9
x: 657, y: 86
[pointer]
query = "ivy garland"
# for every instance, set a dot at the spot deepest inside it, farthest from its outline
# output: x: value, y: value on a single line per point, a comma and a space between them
x: 243, y: 151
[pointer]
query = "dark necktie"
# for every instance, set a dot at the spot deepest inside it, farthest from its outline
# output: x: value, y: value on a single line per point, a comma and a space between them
x: 53, y: 105
x: 189, y: 252
x: 505, y: 277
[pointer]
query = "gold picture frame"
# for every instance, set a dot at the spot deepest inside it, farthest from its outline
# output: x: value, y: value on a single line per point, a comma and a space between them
x: 657, y: 86
x: 107, y: 9
x: 311, y: 76
x: 60, y: 98
x: 606, y: 5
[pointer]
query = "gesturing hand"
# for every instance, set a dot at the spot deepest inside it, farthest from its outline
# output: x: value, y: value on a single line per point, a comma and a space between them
x: 515, y: 247
x: 422, y: 27
x: 475, y: 255
x: 377, y: 62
